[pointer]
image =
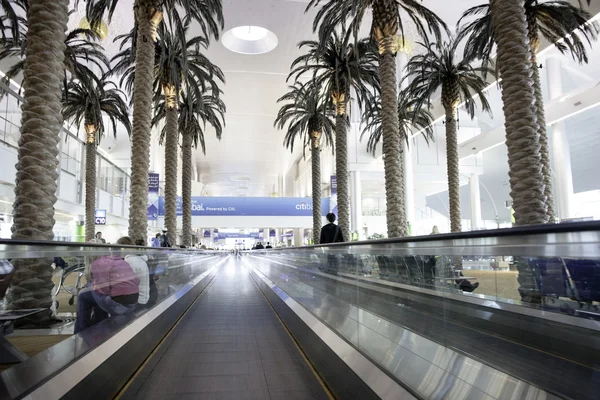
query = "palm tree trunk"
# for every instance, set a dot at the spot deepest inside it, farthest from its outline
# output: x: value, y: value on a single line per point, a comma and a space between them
x: 37, y: 165
x: 341, y: 169
x: 316, y: 190
x: 450, y: 99
x: 171, y: 152
x: 522, y: 137
x: 402, y: 200
x: 90, y: 182
x: 534, y: 44
x: 392, y: 147
x: 148, y: 15
x: 186, y: 190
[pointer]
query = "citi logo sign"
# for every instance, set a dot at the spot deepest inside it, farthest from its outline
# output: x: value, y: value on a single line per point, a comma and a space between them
x: 304, y: 206
x: 198, y: 207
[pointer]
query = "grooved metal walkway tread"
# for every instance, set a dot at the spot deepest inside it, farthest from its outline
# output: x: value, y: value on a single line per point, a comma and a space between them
x: 230, y: 345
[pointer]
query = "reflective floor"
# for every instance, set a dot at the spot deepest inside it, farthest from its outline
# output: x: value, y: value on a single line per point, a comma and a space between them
x: 230, y: 345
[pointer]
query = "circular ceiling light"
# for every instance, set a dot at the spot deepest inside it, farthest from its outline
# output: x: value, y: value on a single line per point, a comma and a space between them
x: 250, y: 33
x: 250, y: 39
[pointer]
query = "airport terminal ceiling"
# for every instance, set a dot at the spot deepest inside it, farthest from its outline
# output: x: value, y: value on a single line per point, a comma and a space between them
x: 250, y: 159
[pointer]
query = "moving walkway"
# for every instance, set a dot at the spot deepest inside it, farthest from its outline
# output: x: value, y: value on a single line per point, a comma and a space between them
x: 387, y: 319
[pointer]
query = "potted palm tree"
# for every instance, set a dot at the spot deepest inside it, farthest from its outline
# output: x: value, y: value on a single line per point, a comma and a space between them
x: 389, y: 19
x: 306, y: 117
x: 413, y: 120
x: 438, y: 68
x: 557, y: 21
x: 148, y: 16
x: 88, y: 106
x: 177, y: 65
x: 339, y: 67
x: 194, y: 114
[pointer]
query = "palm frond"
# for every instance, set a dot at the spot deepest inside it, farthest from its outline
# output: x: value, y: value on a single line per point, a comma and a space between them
x: 207, y: 14
x: 339, y: 66
x: 437, y: 68
x: 561, y: 23
x: 333, y: 14
x: 83, y: 104
x: 195, y: 114
x: 305, y: 110
x: 12, y: 18
x: 413, y: 120
x: 81, y: 52
x: 176, y: 64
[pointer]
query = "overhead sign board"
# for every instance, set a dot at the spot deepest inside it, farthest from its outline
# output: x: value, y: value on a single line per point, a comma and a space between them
x: 100, y: 217
x: 248, y: 206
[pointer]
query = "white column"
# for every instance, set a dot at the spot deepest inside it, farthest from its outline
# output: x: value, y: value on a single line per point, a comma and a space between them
x: 280, y: 186
x: 298, y: 237
x: 356, y: 199
x: 475, y: 197
x: 409, y: 185
x: 561, y: 154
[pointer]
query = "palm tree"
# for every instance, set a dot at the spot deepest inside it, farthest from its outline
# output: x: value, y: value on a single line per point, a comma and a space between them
x: 387, y: 23
x: 177, y: 64
x: 438, y: 68
x: 37, y: 166
x: 557, y: 21
x: 306, y: 117
x: 88, y: 106
x: 413, y: 120
x: 81, y: 53
x: 194, y: 114
x: 149, y: 14
x: 339, y: 66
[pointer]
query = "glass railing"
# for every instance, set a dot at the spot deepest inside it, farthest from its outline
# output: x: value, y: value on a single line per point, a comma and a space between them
x: 59, y: 289
x: 488, y: 312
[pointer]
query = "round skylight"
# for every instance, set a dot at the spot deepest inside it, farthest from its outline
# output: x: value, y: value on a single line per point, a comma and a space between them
x: 248, y: 39
x: 250, y: 33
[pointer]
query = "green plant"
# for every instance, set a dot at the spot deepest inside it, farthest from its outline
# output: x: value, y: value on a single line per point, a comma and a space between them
x: 438, y: 68
x: 340, y: 67
x: 88, y: 106
x: 412, y: 121
x: 208, y: 16
x: 389, y: 18
x: 305, y: 116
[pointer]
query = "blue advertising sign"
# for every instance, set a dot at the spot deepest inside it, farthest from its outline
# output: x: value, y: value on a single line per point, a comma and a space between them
x: 272, y: 233
x: 248, y: 206
x: 333, y: 204
x: 207, y: 234
x: 153, y: 184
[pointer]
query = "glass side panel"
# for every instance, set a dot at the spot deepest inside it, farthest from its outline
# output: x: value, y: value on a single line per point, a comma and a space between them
x: 49, y: 292
x: 484, y: 316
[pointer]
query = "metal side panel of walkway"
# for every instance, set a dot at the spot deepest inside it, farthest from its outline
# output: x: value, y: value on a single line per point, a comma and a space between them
x: 229, y: 345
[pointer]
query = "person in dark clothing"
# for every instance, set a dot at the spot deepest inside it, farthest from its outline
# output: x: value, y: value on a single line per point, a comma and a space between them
x: 164, y: 239
x: 331, y: 233
x: 268, y: 246
x: 259, y: 246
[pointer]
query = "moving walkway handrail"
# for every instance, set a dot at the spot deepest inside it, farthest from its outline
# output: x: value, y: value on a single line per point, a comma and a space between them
x: 577, y: 239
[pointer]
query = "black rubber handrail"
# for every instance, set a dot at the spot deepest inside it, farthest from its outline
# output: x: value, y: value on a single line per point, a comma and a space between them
x: 507, y: 232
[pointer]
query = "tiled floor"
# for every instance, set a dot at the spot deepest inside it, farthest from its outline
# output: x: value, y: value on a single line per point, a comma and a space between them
x: 230, y: 345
